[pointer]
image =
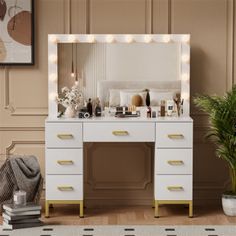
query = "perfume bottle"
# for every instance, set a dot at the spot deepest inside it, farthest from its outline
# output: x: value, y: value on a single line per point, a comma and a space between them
x: 98, y: 109
x: 149, y: 112
x: 163, y: 108
x: 90, y: 107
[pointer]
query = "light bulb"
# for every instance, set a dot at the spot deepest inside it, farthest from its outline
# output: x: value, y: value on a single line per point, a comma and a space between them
x: 53, y: 38
x: 110, y: 38
x: 53, y: 96
x: 91, y: 38
x: 147, y: 38
x: 129, y: 38
x: 186, y: 38
x: 166, y: 38
x: 72, y: 74
x: 185, y: 96
x: 71, y: 38
x: 185, y: 58
x: 53, y: 58
x: 185, y: 77
x: 53, y: 77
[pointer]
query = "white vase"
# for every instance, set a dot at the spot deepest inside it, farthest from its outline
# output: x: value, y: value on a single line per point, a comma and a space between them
x: 229, y: 204
x: 70, y: 112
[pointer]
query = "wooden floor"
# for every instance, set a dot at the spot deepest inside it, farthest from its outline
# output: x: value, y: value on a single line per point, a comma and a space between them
x: 138, y: 215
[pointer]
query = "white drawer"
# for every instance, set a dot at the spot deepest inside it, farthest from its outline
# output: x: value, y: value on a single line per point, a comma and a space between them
x: 174, y: 135
x: 173, y: 161
x: 119, y: 132
x: 64, y: 135
x: 64, y: 187
x: 64, y: 161
x: 173, y: 187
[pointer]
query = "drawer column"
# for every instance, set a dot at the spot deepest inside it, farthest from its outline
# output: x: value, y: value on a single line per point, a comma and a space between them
x: 173, y: 165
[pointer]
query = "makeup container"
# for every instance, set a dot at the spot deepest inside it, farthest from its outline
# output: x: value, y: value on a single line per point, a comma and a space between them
x: 19, y: 198
x: 170, y: 107
x: 163, y: 108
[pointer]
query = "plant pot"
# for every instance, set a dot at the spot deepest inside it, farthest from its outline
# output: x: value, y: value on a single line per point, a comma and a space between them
x: 229, y: 204
x: 70, y: 112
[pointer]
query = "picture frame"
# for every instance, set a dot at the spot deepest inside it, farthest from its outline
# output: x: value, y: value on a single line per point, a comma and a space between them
x: 17, y: 32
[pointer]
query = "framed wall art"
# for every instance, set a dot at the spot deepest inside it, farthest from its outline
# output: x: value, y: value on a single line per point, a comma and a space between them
x: 16, y: 32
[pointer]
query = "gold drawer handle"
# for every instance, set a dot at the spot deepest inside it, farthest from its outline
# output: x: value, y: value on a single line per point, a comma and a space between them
x: 65, y: 162
x: 175, y: 188
x: 65, y: 188
x: 120, y: 133
x: 175, y: 162
x: 176, y: 136
x: 65, y: 136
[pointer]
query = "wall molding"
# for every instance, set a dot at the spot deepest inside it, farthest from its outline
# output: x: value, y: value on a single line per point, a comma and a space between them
x: 19, y: 111
x: 22, y: 128
x: 230, y: 44
x: 88, y: 17
x: 96, y: 184
x: 22, y: 142
x: 149, y: 16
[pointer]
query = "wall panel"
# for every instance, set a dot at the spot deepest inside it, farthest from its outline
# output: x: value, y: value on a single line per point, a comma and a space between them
x: 117, y: 16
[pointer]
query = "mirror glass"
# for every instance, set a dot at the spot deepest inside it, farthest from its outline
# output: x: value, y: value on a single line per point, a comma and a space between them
x: 93, y: 62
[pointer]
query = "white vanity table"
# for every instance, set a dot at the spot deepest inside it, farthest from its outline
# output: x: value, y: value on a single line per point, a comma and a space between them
x: 173, y: 138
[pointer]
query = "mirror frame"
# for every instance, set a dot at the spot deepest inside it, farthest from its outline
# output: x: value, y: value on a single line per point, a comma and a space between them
x: 55, y: 39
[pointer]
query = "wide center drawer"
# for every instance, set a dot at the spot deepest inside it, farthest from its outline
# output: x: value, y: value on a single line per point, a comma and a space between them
x: 173, y: 187
x: 64, y: 161
x: 64, y: 135
x: 119, y: 132
x: 174, y: 135
x: 64, y: 187
x: 173, y: 161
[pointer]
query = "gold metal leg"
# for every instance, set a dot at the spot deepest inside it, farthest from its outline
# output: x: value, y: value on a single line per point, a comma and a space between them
x: 191, y: 209
x: 156, y: 209
x: 153, y: 203
x: 46, y: 209
x: 81, y: 209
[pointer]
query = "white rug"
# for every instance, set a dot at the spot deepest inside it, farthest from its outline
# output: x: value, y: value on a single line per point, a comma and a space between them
x: 136, y: 230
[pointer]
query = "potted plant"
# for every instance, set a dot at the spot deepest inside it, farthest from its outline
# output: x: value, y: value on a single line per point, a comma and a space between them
x: 222, y: 117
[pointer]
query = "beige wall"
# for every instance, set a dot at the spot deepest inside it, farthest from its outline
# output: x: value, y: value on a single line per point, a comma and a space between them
x: 23, y: 90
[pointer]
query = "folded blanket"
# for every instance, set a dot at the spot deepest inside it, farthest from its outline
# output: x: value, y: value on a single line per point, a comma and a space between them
x: 20, y: 173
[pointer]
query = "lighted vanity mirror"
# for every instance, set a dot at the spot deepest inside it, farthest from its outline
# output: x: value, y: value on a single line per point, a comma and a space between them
x: 103, y: 62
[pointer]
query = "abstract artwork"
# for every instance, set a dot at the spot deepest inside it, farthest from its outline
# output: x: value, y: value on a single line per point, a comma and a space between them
x: 16, y: 32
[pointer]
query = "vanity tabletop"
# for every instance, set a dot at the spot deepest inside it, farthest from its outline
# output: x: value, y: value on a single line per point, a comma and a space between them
x: 116, y: 119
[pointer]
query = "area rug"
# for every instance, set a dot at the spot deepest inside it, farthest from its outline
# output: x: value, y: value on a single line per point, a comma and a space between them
x: 135, y: 230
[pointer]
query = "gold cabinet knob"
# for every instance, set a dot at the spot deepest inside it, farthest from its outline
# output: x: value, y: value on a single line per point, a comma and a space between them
x: 175, y: 188
x: 175, y: 162
x: 120, y: 133
x: 175, y: 136
x: 65, y: 188
x: 65, y: 136
x: 65, y: 162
